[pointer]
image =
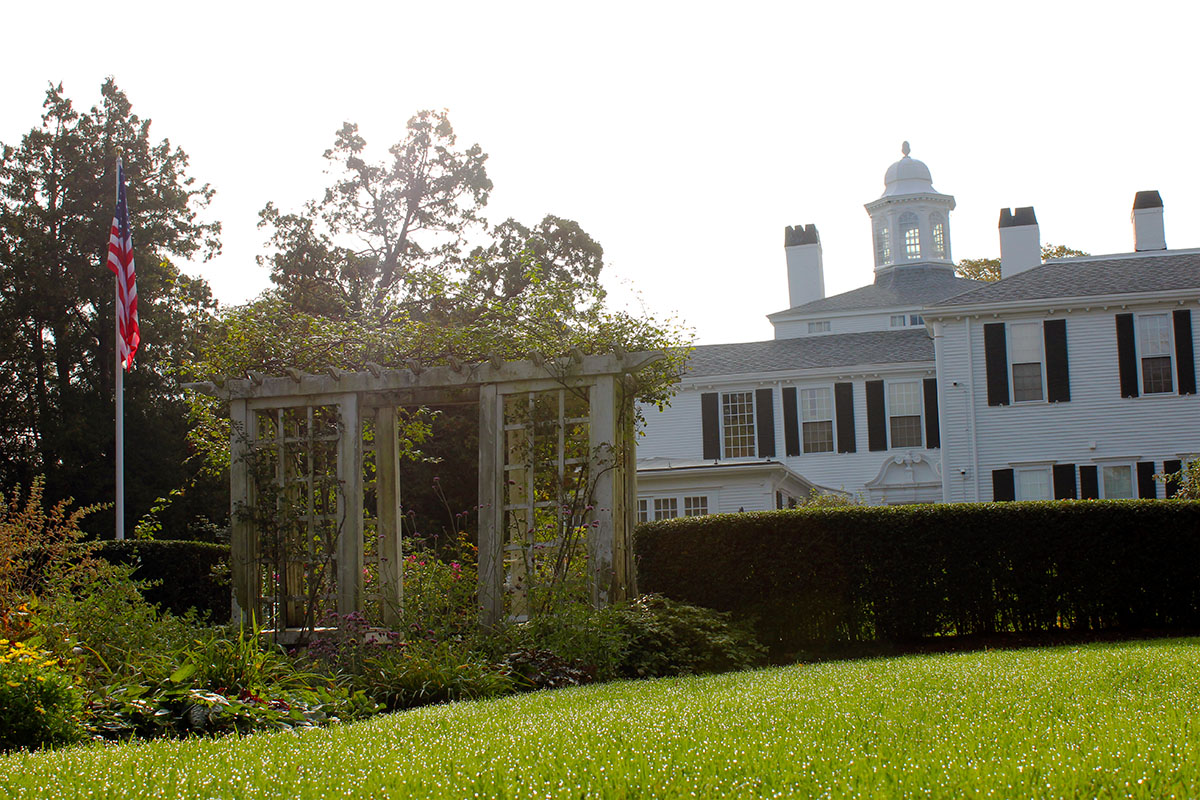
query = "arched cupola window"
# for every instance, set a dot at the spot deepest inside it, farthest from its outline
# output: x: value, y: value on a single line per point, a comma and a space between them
x: 883, y: 246
x: 938, y: 225
x: 910, y: 235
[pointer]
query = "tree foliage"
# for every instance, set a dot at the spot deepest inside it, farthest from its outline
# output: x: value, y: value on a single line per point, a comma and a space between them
x: 57, y: 297
x: 988, y: 269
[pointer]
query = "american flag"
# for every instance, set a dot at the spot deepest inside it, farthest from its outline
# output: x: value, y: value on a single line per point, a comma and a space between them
x: 120, y: 261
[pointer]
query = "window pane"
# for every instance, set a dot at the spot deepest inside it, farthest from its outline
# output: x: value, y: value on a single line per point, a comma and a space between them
x: 1118, y: 482
x: 1154, y: 335
x: 695, y: 506
x: 818, y: 437
x: 1026, y: 341
x: 666, y: 508
x: 910, y: 235
x: 819, y: 327
x: 883, y: 247
x: 1033, y: 484
x: 1027, y: 382
x: 906, y: 431
x: 1156, y: 375
x: 815, y: 405
x: 904, y: 399
x: 738, y: 424
x: 897, y: 320
x: 939, y: 235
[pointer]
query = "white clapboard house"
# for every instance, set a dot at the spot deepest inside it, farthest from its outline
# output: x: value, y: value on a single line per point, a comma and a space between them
x: 1072, y: 378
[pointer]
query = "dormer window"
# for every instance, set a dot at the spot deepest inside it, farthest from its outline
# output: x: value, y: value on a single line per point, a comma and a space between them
x: 883, y: 246
x: 821, y: 326
x: 938, y: 224
x: 910, y: 234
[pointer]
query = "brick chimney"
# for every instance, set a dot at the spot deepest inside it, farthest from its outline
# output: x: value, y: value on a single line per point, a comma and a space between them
x: 1020, y: 241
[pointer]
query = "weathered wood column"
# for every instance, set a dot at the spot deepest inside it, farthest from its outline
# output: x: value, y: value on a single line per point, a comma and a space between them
x: 243, y: 540
x: 491, y: 505
x: 350, y: 502
x: 388, y: 519
x: 607, y: 492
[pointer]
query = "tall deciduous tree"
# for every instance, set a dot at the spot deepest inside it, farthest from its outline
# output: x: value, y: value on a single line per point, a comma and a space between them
x: 988, y: 269
x: 57, y: 196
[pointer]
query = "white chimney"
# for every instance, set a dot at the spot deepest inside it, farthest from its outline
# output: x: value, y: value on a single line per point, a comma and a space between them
x: 1020, y: 241
x: 1147, y: 218
x: 806, y: 274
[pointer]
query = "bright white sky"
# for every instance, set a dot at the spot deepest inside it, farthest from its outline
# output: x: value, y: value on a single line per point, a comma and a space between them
x: 682, y: 136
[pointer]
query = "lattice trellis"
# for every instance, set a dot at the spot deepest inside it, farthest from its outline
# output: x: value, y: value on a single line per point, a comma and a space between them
x: 556, y: 484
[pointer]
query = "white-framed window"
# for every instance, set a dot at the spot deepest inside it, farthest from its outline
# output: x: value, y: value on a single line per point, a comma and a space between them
x: 899, y: 320
x: 1116, y: 482
x: 816, y: 415
x: 1154, y: 353
x: 916, y: 319
x: 883, y: 246
x: 738, y: 434
x: 1034, y: 484
x: 1027, y: 357
x: 938, y: 225
x: 910, y: 235
x: 905, y: 401
x: 820, y: 326
x: 666, y: 507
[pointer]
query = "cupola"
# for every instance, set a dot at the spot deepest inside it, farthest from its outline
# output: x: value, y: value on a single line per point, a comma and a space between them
x: 910, y: 222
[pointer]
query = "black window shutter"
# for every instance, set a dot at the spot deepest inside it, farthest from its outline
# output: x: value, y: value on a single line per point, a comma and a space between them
x: 1064, y: 481
x: 1126, y: 356
x: 1147, y: 486
x: 1170, y: 468
x: 1089, y: 483
x: 876, y: 417
x: 791, y: 422
x: 1003, y: 485
x: 1058, y: 377
x: 933, y: 430
x: 995, y: 352
x: 1185, y: 363
x: 843, y: 401
x: 764, y: 416
x: 712, y: 432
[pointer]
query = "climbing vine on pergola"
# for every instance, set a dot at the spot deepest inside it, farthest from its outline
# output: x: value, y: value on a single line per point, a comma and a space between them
x: 316, y: 484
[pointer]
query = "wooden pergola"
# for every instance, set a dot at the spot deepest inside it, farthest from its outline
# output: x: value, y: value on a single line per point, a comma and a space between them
x: 315, y: 463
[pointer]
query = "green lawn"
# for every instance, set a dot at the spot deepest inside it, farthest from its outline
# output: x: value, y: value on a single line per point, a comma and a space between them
x: 1114, y: 720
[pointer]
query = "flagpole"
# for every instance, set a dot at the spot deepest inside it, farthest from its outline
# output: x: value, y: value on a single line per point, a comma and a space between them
x: 119, y: 385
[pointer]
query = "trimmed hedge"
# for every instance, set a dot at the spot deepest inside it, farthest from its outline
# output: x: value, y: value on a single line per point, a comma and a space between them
x: 182, y: 570
x: 814, y: 579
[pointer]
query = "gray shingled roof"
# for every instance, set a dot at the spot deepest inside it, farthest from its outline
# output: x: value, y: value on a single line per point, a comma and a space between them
x: 812, y: 352
x: 1157, y: 271
x: 904, y: 286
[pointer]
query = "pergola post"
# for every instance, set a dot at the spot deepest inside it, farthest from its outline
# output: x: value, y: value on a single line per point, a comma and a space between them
x: 491, y: 506
x: 350, y: 502
x: 243, y: 539
x: 388, y: 514
x: 607, y: 494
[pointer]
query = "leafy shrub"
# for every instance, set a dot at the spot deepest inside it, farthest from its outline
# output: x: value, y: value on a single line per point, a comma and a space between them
x: 544, y: 669
x: 39, y: 704
x: 407, y: 677
x: 439, y: 595
x: 668, y: 638
x: 829, y: 578
x: 579, y: 635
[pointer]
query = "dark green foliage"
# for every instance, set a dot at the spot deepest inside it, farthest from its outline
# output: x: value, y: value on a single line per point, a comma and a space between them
x: 532, y: 668
x: 183, y: 575
x: 669, y: 638
x: 812, y: 579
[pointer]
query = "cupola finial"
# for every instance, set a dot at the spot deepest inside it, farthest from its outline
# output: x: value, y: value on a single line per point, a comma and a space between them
x: 905, y: 149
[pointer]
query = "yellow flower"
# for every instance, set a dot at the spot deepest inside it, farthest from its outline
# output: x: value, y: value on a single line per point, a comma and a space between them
x: 41, y: 677
x: 12, y: 683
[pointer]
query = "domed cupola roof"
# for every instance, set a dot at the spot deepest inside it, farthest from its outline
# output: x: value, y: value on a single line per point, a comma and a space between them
x: 907, y: 176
